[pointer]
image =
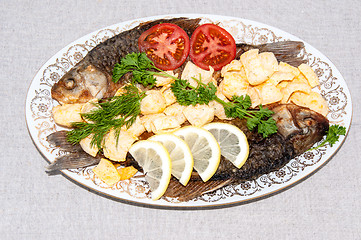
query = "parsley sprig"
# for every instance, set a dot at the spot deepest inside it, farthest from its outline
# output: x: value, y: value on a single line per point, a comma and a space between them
x: 332, y: 135
x: 189, y: 95
x: 115, y: 113
x: 140, y: 66
x: 260, y: 119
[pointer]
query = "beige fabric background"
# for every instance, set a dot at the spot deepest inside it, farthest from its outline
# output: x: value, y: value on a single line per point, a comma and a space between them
x: 34, y: 205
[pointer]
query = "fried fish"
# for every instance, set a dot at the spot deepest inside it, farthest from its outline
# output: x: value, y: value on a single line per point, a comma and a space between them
x: 92, y: 76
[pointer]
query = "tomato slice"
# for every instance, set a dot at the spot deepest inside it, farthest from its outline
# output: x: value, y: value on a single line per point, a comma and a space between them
x: 212, y: 46
x: 166, y: 44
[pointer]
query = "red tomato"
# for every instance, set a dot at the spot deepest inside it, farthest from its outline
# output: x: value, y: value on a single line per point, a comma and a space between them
x: 166, y: 44
x: 212, y: 46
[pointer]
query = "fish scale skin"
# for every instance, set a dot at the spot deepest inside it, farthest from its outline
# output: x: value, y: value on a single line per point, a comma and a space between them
x: 105, y: 55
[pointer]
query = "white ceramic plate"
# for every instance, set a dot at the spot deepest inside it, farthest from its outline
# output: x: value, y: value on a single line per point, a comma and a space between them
x: 333, y: 87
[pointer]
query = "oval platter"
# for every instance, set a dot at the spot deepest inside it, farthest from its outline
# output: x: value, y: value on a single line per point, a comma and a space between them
x: 136, y: 191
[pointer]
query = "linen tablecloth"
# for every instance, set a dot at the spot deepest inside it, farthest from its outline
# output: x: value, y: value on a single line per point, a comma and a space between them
x: 34, y: 205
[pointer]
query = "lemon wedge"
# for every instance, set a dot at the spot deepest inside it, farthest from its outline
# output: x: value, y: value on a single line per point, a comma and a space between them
x: 232, y: 141
x: 180, y: 155
x: 154, y: 158
x: 204, y: 148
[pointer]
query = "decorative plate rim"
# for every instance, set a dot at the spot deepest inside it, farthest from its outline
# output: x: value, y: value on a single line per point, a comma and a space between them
x: 36, y: 97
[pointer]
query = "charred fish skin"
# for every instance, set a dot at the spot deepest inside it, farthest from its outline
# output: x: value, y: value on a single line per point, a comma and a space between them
x: 285, y: 51
x: 80, y: 84
x: 298, y: 129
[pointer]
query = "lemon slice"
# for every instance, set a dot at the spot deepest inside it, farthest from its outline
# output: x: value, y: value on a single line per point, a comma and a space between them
x: 154, y: 158
x: 205, y: 150
x: 180, y: 155
x: 233, y: 142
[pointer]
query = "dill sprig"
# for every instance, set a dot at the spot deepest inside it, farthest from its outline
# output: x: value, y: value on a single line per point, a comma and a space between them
x: 114, y: 113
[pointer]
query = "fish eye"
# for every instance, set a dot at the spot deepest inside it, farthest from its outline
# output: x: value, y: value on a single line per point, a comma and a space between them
x: 69, y: 83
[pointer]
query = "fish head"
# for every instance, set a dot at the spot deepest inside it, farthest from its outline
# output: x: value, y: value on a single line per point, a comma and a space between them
x: 81, y: 84
x: 301, y: 126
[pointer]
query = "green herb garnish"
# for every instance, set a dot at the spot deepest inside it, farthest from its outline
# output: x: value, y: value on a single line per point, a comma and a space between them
x: 260, y: 119
x: 115, y: 113
x: 238, y: 107
x: 189, y: 95
x: 332, y: 135
x: 139, y: 65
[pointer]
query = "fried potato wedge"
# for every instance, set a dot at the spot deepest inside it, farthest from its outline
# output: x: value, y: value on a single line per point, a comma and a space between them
x: 164, y: 124
x: 86, y: 145
x: 313, y: 101
x: 192, y: 71
x: 233, y: 84
x: 285, y: 67
x: 294, y: 87
x: 127, y: 172
x: 116, y: 149
x: 253, y: 67
x: 67, y: 114
x: 154, y: 102
x: 310, y: 75
x: 107, y: 172
x: 269, y: 93
x: 199, y: 114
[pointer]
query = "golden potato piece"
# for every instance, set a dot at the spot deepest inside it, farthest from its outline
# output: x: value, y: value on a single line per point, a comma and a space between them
x: 107, y: 172
x: 169, y: 97
x: 255, y: 97
x: 146, y: 120
x: 313, y: 101
x: 89, y: 107
x: 233, y: 84
x: 269, y: 93
x: 285, y: 67
x: 300, y: 79
x: 199, y: 115
x: 294, y: 87
x: 117, y: 149
x: 252, y: 63
x: 162, y: 81
x: 310, y: 75
x: 127, y: 172
x: 282, y: 84
x: 269, y: 62
x: 234, y: 66
x: 154, y: 102
x: 136, y: 128
x: 85, y: 144
x: 218, y: 108
x: 164, y: 124
x: 176, y: 110
x: 278, y: 77
x: 192, y: 71
x: 67, y: 114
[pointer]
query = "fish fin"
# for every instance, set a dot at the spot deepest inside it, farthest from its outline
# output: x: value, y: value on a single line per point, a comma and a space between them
x: 58, y: 139
x: 72, y: 161
x: 285, y: 51
x: 193, y: 189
